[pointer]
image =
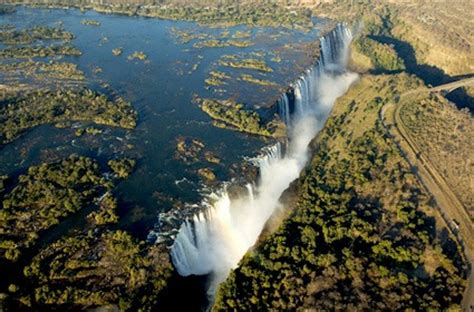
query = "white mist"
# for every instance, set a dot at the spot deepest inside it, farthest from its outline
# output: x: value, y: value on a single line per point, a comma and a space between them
x: 214, y: 241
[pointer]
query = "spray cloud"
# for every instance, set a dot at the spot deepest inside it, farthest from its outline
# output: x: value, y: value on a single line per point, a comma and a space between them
x: 215, y: 240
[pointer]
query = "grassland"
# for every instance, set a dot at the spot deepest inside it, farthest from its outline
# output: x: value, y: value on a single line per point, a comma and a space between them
x: 434, y: 36
x: 443, y: 134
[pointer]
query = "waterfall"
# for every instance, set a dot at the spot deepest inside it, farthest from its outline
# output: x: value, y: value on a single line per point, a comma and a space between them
x: 214, y: 241
x: 283, y: 105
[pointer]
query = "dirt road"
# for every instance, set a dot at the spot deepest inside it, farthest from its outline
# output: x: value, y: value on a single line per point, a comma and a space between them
x: 451, y: 209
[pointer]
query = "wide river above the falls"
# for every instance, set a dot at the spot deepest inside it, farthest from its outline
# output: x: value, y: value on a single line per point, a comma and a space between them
x: 161, y: 89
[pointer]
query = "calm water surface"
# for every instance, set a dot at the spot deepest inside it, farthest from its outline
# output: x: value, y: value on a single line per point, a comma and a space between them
x: 161, y: 89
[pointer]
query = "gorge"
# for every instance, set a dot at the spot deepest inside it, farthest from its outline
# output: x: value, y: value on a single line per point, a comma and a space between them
x: 202, y: 155
x: 215, y: 240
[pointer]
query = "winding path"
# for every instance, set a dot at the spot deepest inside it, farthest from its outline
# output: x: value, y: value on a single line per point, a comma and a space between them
x: 451, y: 209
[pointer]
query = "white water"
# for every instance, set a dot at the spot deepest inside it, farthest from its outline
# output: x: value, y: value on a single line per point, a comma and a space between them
x: 214, y: 241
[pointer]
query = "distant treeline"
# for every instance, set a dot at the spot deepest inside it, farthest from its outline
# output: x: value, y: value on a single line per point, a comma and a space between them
x: 225, y: 13
x: 200, y: 3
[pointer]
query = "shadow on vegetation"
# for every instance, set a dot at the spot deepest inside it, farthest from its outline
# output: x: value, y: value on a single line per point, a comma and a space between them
x: 184, y: 294
x: 431, y: 75
x: 450, y: 249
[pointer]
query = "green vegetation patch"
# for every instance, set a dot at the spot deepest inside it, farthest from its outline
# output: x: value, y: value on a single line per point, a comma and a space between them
x: 261, y: 82
x: 257, y: 14
x: 188, y: 150
x: 211, y: 43
x: 117, y: 51
x: 206, y: 174
x: 39, y: 51
x: 89, y: 130
x: 382, y: 56
x: 43, y: 70
x: 217, y: 78
x: 26, y: 111
x: 3, y: 182
x: 90, y: 22
x: 228, y: 113
x: 138, y: 55
x: 249, y: 63
x: 242, y: 34
x: 213, y: 81
x: 122, y: 167
x: 96, y: 269
x: 191, y: 150
x: 216, y: 43
x: 29, y: 35
x: 186, y: 36
x: 107, y: 213
x: 361, y: 234
x: 42, y: 197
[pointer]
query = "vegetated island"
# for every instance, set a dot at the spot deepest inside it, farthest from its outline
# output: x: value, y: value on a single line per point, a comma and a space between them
x: 43, y: 196
x: 39, y: 51
x: 229, y: 114
x: 125, y: 272
x: 137, y: 55
x: 248, y: 63
x: 38, y: 205
x: 29, y: 35
x: 34, y: 108
x: 43, y: 70
x: 90, y: 22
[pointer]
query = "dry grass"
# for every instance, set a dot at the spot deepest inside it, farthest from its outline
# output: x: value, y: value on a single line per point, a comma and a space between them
x: 444, y: 135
